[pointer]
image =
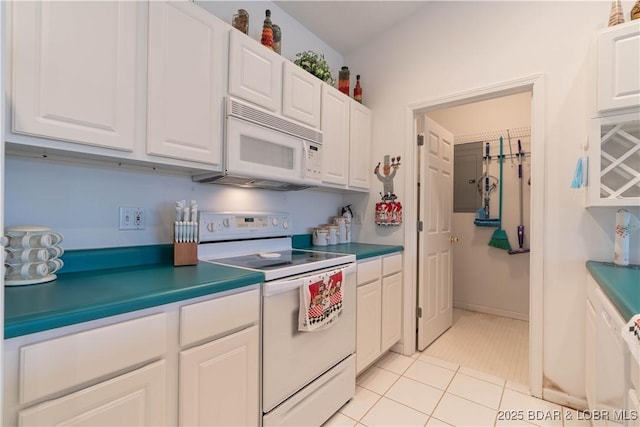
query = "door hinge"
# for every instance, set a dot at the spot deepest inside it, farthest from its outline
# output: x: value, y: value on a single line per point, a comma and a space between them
x: 418, y: 312
x: 420, y: 225
x: 420, y: 140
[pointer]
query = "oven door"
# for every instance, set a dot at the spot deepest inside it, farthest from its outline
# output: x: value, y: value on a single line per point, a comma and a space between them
x: 293, y: 359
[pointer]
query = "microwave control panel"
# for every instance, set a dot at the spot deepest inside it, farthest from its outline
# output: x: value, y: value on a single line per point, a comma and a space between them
x: 314, y: 161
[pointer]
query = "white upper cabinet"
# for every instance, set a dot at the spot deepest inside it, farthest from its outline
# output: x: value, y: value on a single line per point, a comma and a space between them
x: 185, y: 83
x: 619, y: 66
x: 74, y: 71
x: 301, y: 95
x: 360, y: 168
x: 335, y: 142
x: 255, y: 72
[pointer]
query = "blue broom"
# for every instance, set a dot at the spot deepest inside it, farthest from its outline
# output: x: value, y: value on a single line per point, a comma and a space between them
x: 499, y: 239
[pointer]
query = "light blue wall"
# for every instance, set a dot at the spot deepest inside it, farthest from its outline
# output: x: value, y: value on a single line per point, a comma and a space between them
x: 82, y: 201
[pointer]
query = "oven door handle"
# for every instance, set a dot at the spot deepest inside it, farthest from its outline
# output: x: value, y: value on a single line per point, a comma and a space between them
x: 279, y: 286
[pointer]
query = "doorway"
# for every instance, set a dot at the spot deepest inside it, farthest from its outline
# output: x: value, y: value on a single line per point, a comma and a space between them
x: 534, y: 86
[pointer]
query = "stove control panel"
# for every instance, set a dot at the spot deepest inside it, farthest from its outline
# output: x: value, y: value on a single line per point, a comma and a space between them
x: 215, y: 226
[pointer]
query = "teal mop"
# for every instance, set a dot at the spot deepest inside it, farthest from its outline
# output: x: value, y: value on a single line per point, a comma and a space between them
x: 499, y: 239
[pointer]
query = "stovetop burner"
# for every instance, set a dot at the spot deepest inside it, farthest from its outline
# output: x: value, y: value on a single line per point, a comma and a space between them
x: 284, y: 259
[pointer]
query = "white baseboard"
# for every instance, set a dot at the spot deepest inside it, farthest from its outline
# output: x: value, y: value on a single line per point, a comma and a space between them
x: 564, y: 399
x: 491, y: 310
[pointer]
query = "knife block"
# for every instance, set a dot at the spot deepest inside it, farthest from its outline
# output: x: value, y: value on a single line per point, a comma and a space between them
x: 185, y: 253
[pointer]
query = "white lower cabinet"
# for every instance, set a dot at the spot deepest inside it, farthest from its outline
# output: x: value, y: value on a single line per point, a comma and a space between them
x: 379, y: 308
x: 219, y: 380
x: 605, y: 354
x: 187, y: 363
x: 131, y: 399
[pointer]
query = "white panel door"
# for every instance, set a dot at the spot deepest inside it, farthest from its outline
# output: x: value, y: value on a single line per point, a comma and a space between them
x: 619, y: 66
x: 74, y: 71
x: 335, y: 140
x: 219, y: 381
x: 435, y: 296
x: 133, y: 399
x: 391, y: 329
x: 360, y: 170
x: 185, y: 83
x: 301, y: 95
x: 368, y: 324
x: 255, y: 72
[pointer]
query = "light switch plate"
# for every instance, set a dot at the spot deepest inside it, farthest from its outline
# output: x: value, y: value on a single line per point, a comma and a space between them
x: 132, y: 218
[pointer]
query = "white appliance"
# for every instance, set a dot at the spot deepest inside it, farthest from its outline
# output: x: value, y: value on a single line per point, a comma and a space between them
x: 631, y: 335
x: 265, y: 150
x: 306, y: 376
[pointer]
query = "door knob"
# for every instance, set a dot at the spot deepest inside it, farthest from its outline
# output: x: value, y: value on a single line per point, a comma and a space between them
x: 453, y: 239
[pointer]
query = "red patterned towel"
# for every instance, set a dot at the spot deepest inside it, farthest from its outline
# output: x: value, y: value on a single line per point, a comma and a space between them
x: 320, y: 300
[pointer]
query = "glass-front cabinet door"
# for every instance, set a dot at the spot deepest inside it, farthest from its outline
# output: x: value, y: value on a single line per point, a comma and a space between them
x: 614, y: 169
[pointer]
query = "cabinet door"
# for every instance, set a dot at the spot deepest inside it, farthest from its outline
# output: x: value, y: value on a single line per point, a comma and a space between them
x: 619, y: 66
x: 335, y: 143
x: 590, y: 355
x: 391, y: 329
x: 74, y: 71
x: 614, y: 161
x: 301, y: 95
x: 360, y: 168
x: 133, y: 399
x: 610, y: 354
x: 185, y: 83
x: 255, y: 72
x: 219, y: 382
x: 368, y: 324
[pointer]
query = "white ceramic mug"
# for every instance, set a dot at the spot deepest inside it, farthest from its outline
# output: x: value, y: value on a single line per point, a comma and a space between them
x: 34, y: 240
x: 54, y: 265
x: 320, y: 236
x: 30, y: 270
x: 55, y: 251
x: 28, y: 255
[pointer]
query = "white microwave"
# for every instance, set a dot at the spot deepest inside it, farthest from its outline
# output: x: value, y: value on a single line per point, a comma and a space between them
x: 265, y: 150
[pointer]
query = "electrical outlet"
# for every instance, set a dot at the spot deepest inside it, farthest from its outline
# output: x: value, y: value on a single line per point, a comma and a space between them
x: 358, y: 218
x: 132, y: 218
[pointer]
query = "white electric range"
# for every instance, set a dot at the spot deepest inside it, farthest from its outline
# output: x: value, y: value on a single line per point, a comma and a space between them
x: 306, y: 375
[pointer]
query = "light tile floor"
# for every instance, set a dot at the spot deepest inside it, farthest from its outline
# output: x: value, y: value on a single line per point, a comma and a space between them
x: 485, y: 342
x: 425, y: 391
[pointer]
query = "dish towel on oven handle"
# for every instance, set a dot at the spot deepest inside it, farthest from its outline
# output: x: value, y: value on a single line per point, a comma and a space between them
x: 320, y: 300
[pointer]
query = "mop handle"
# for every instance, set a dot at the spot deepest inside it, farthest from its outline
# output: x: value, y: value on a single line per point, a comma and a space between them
x: 500, y: 201
x: 520, y: 155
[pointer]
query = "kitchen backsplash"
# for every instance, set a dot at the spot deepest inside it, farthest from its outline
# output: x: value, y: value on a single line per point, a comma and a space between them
x: 82, y: 201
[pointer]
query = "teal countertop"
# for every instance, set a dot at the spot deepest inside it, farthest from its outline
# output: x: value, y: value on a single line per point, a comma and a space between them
x: 98, y: 283
x: 122, y: 280
x: 360, y: 250
x: 620, y: 284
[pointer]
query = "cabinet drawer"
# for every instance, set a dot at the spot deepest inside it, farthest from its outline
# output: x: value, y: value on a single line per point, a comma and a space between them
x: 58, y: 364
x: 391, y: 264
x: 218, y: 316
x: 369, y: 270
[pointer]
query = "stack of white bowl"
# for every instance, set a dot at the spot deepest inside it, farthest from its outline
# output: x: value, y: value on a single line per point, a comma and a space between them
x: 31, y: 255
